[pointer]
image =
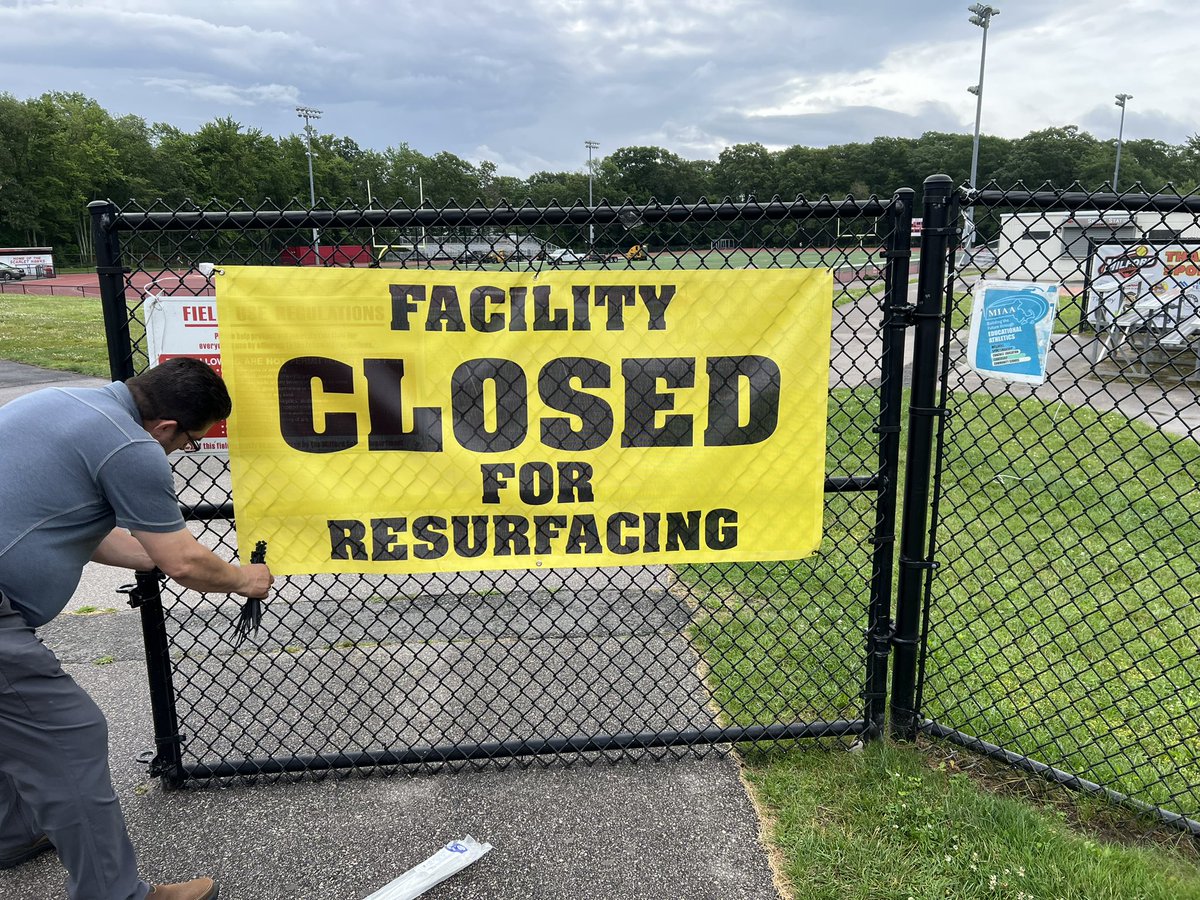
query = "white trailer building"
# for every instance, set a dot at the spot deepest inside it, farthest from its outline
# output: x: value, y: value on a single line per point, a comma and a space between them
x: 1056, y: 245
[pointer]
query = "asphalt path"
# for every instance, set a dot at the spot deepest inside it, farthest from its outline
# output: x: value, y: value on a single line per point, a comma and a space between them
x: 1171, y: 405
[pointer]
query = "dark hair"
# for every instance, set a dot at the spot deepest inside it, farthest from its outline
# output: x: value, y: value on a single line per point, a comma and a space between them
x: 183, y: 389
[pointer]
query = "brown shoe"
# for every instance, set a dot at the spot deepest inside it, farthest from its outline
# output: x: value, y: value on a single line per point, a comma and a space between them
x: 196, y: 889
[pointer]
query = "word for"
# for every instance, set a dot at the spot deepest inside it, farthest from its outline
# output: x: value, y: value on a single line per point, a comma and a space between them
x: 536, y: 482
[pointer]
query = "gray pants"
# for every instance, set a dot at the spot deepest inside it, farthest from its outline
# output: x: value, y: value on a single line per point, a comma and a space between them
x: 54, y: 777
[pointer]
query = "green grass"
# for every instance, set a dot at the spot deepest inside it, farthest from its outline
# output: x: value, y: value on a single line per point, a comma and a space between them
x: 885, y: 824
x: 64, y: 333
x: 1064, y: 611
x: 784, y: 641
x: 1064, y: 618
x: 1065, y: 614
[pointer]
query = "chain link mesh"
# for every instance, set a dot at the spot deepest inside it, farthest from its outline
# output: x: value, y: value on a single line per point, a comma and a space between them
x: 1064, y: 622
x: 356, y: 671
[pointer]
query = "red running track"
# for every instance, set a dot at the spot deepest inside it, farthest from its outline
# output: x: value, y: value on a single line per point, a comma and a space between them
x: 190, y: 283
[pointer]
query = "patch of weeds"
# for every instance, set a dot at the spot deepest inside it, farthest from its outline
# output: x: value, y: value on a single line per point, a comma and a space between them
x: 347, y: 644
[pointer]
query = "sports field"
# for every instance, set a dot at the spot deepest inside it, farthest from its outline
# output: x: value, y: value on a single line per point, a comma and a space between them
x: 761, y: 258
x: 848, y: 263
x: 87, y: 284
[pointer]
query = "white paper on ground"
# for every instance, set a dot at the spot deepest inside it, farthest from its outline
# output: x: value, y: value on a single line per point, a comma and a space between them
x: 452, y: 858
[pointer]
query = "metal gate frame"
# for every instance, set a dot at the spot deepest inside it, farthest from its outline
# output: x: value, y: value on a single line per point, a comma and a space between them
x: 109, y: 224
x: 922, y: 510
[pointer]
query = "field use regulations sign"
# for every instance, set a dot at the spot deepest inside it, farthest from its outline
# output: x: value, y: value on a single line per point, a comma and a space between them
x: 395, y: 421
x: 185, y: 325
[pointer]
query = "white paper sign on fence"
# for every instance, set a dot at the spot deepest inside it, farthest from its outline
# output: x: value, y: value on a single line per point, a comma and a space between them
x: 186, y: 326
x: 1011, y: 324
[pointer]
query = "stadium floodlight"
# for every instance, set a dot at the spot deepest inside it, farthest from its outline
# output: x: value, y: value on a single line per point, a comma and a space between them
x: 308, y: 113
x: 591, y: 145
x: 983, y: 18
x: 1121, y: 98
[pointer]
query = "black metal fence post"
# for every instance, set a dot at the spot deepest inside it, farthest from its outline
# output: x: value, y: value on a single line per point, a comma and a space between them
x: 891, y: 398
x: 112, y: 290
x: 146, y: 597
x: 937, y: 228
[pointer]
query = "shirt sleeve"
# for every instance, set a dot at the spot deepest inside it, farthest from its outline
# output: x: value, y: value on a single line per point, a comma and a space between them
x: 136, y: 480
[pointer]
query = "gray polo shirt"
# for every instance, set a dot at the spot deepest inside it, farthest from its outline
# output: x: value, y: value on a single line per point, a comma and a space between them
x: 74, y: 462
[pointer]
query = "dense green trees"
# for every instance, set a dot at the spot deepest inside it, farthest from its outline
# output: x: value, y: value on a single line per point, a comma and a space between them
x: 60, y: 150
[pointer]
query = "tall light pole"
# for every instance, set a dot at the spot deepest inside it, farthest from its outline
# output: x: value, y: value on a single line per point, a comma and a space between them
x: 307, y: 113
x: 591, y: 145
x: 981, y: 16
x: 1121, y: 98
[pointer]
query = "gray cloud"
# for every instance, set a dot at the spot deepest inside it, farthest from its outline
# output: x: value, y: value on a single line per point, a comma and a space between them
x: 526, y: 84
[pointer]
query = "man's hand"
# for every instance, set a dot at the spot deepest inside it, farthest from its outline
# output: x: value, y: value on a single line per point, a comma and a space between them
x: 185, y: 560
x: 258, y: 580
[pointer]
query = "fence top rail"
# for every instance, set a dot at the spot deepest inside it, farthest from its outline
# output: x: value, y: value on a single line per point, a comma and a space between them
x: 116, y: 219
x: 1083, y: 200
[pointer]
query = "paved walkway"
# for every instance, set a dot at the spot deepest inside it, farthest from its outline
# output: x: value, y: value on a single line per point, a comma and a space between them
x: 1071, y: 378
x: 679, y: 828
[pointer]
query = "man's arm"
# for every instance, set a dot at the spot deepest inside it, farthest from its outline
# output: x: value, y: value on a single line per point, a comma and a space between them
x: 122, y: 549
x: 187, y: 561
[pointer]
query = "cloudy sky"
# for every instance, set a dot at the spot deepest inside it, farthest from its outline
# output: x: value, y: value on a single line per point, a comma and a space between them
x: 525, y: 82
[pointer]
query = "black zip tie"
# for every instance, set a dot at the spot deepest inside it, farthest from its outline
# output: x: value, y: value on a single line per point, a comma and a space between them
x: 250, y: 617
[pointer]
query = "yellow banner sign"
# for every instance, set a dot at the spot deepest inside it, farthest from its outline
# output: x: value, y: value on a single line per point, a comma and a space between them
x: 387, y: 420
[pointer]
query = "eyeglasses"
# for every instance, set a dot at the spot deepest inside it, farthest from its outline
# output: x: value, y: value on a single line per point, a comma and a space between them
x: 193, y: 443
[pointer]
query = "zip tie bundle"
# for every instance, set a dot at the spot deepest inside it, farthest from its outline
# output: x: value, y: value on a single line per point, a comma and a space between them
x: 251, y: 615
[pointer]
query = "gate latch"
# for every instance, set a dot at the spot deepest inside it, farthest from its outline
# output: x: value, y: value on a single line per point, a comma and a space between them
x: 881, y: 638
x: 141, y: 590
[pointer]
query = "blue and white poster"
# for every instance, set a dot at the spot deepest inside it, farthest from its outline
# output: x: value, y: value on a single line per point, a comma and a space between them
x: 1011, y: 324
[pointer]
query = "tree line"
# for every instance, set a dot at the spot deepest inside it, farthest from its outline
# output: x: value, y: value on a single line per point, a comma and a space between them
x: 61, y: 150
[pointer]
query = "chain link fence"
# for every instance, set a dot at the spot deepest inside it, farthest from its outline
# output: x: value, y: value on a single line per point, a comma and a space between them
x: 490, y: 667
x: 1063, y: 622
x: 1046, y: 579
